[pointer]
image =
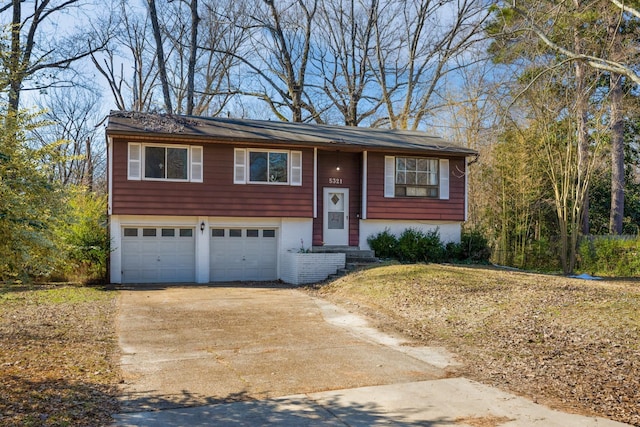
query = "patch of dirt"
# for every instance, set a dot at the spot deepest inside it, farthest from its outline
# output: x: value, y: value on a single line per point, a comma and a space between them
x: 571, y: 344
x: 488, y: 421
x: 58, y: 356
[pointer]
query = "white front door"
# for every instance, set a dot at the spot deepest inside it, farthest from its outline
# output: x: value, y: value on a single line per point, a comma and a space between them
x: 336, y: 216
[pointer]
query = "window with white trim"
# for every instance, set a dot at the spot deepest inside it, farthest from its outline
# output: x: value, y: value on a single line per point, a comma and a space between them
x: 416, y: 177
x: 255, y: 166
x: 156, y: 162
x: 424, y: 177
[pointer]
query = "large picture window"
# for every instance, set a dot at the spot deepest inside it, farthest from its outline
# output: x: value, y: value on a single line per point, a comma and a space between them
x: 268, y: 166
x: 255, y: 166
x: 416, y: 177
x: 166, y: 163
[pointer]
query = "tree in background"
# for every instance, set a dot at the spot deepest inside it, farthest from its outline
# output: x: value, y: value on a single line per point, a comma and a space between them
x: 30, y: 202
x: 83, y: 235
x: 40, y: 49
x: 72, y: 116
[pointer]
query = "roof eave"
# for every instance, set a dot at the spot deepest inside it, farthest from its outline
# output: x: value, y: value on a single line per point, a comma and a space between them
x: 329, y: 144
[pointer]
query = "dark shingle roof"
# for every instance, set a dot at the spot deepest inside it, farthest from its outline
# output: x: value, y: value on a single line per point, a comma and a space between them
x: 261, y: 131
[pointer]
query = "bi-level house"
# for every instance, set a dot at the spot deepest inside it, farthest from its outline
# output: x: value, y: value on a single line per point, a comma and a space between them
x: 198, y: 200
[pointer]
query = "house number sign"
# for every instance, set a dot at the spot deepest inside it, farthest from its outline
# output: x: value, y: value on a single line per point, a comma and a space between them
x: 335, y: 180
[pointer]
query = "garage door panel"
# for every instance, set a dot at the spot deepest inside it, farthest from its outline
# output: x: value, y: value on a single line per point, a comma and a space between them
x: 158, y: 255
x: 243, y: 254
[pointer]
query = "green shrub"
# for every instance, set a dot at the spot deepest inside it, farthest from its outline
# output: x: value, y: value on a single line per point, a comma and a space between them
x: 85, y: 238
x: 384, y: 244
x: 542, y: 255
x: 434, y: 250
x: 474, y: 246
x: 409, y: 249
x: 417, y: 246
x: 454, y: 252
x: 610, y: 257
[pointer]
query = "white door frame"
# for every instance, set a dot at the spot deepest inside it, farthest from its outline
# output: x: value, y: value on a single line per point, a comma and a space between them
x: 335, y: 237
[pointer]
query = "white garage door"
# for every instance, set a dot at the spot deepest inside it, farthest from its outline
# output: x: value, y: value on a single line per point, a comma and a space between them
x: 243, y: 254
x: 158, y: 255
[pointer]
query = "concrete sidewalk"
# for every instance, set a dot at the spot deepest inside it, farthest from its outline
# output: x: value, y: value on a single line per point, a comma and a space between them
x: 203, y: 356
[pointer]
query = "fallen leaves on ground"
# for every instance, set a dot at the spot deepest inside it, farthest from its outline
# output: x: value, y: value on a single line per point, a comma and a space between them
x: 571, y: 344
x: 57, y: 351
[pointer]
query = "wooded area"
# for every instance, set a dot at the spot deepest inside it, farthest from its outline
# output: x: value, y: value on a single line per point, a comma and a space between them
x: 546, y: 92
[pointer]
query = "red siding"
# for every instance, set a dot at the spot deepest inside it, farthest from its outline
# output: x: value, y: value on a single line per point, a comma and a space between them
x: 216, y: 196
x: 351, y: 175
x: 379, y: 207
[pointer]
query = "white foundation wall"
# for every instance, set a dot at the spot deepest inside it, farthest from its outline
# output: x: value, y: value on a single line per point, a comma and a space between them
x: 301, y: 268
x: 293, y: 233
x: 449, y: 231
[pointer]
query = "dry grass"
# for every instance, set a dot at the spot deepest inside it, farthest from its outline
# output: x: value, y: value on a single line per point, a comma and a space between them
x: 57, y: 348
x: 568, y: 343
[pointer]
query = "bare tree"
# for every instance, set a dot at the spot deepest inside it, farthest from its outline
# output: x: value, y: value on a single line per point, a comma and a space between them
x: 37, y: 54
x: 72, y: 115
x: 277, y: 55
x: 426, y: 35
x: 344, y: 58
x: 161, y: 60
x: 193, y: 51
x: 133, y: 87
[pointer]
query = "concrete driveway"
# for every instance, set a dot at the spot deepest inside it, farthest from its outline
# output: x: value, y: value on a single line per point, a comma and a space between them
x: 235, y: 355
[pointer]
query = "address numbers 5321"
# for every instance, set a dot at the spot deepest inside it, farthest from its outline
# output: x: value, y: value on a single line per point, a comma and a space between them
x: 335, y: 180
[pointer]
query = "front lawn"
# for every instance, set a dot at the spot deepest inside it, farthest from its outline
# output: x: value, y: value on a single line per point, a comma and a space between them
x: 58, y: 363
x: 568, y: 343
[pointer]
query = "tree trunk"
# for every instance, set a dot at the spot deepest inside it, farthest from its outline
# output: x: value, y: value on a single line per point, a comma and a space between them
x: 583, y: 146
x: 162, y: 70
x: 15, y: 72
x: 88, y: 167
x: 193, y: 50
x: 617, y: 155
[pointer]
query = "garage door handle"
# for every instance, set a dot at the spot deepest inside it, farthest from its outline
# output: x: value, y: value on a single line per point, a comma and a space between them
x: 158, y: 259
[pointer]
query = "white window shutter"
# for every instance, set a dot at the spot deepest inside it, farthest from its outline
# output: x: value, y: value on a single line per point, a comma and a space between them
x: 134, y: 160
x: 389, y: 176
x: 239, y: 166
x: 444, y: 179
x: 295, y: 168
x: 196, y: 164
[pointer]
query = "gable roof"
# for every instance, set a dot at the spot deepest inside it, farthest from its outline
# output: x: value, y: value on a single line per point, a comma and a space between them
x: 261, y: 131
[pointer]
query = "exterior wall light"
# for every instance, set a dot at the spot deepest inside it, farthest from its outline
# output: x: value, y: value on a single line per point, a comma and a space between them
x: 202, y: 227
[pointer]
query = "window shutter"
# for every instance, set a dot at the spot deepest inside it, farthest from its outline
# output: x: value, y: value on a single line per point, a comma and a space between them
x: 239, y: 166
x: 134, y: 161
x: 196, y: 164
x: 295, y: 160
x: 389, y: 176
x: 444, y: 179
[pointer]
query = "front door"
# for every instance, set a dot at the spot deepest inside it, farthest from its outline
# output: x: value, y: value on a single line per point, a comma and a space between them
x: 336, y: 216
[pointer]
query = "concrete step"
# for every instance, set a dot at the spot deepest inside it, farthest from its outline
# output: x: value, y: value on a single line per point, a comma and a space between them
x: 352, y: 253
